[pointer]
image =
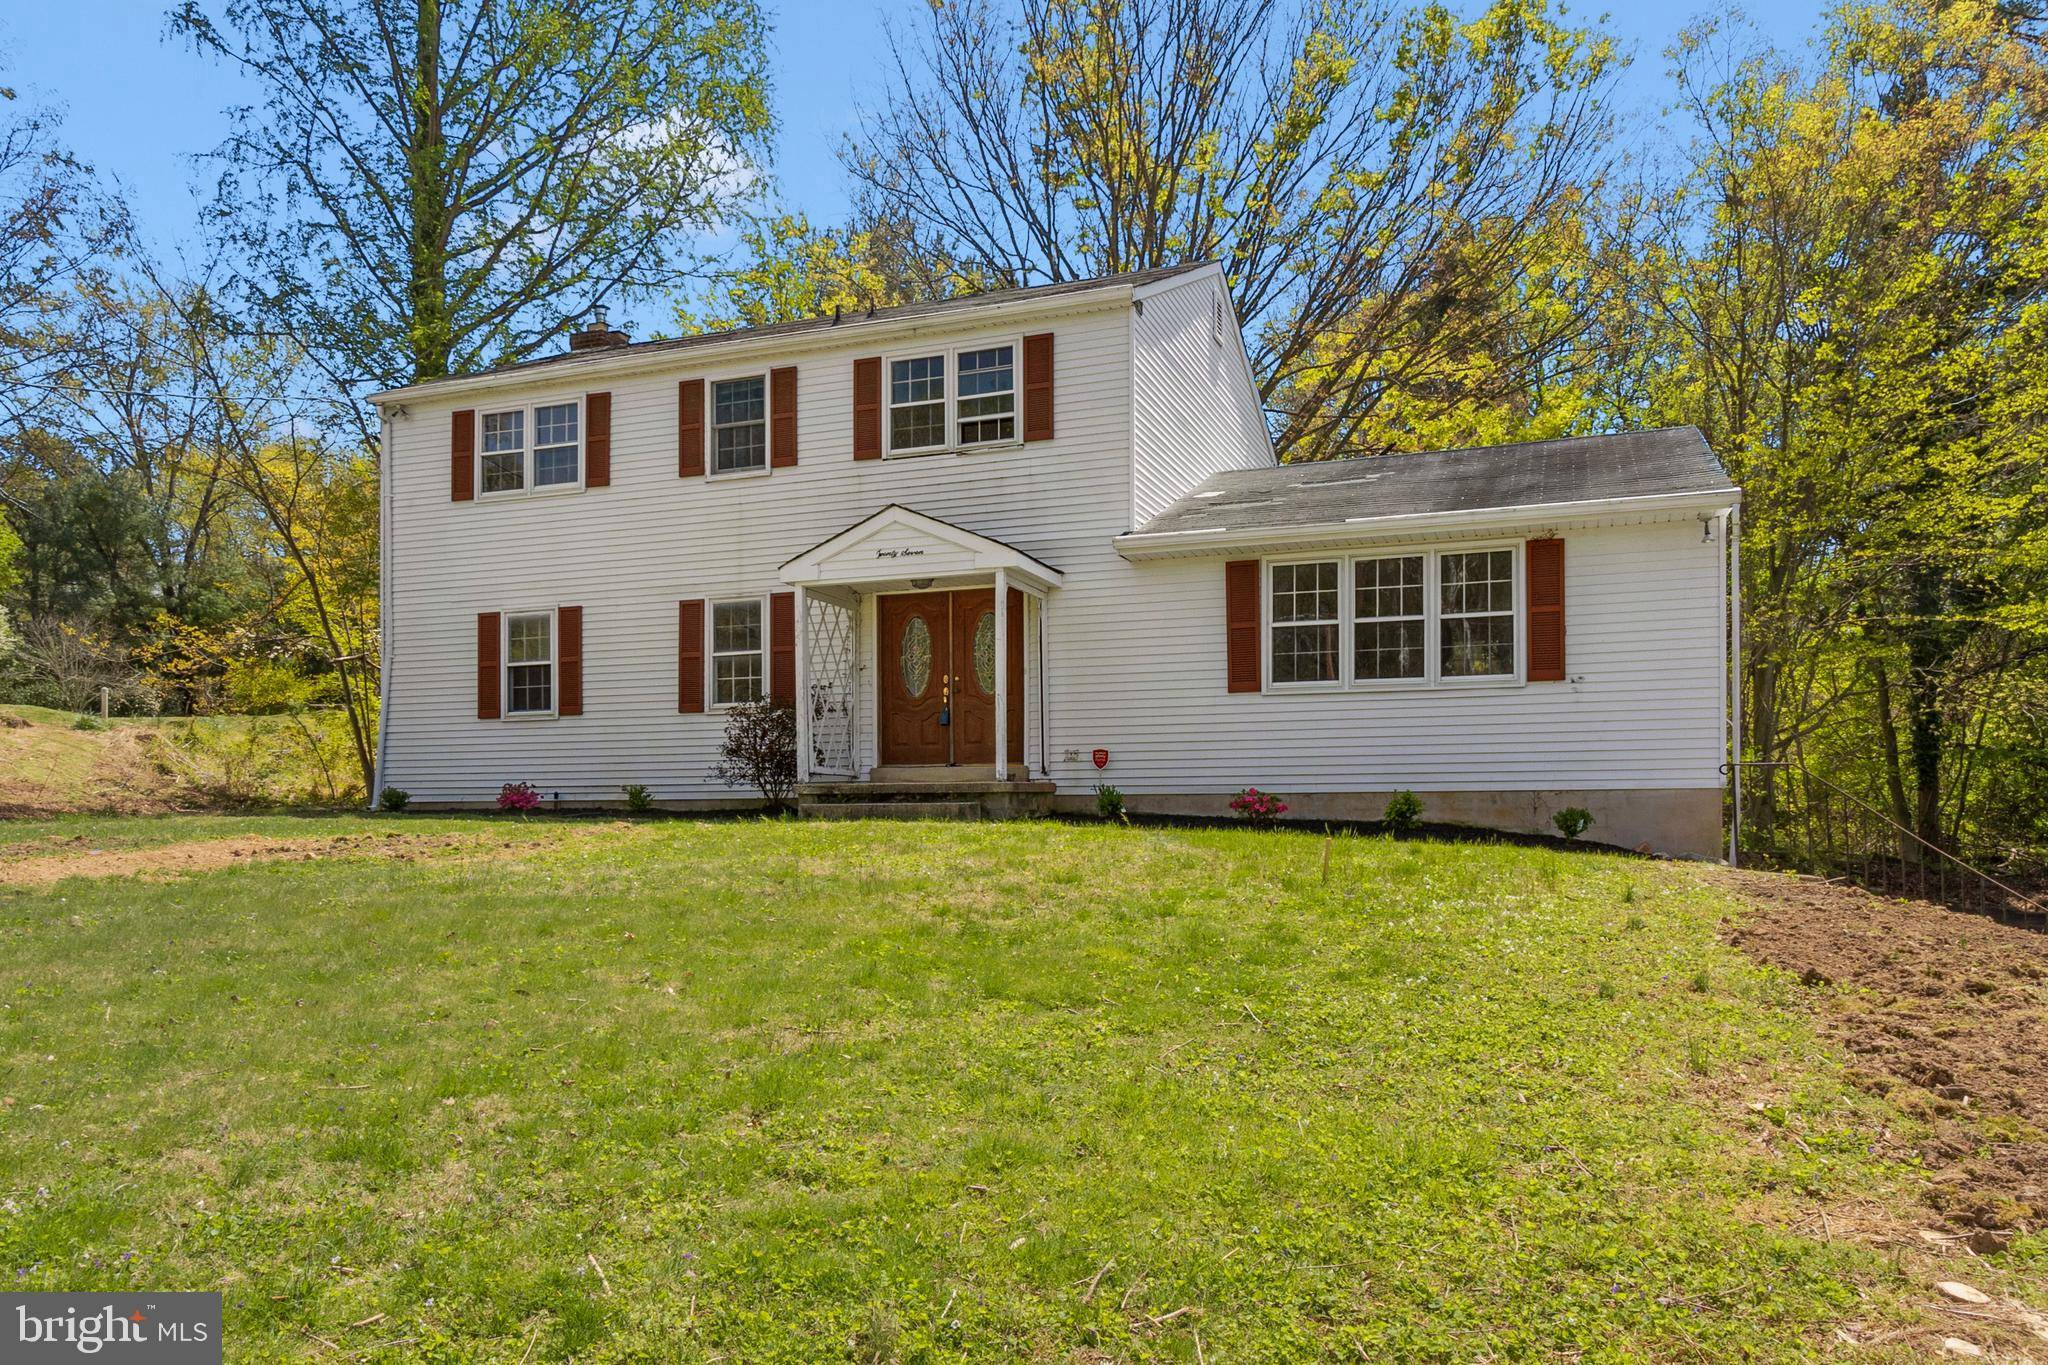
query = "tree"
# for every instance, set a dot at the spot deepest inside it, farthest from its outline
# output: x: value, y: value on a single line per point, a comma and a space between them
x: 791, y: 271
x: 433, y: 186
x: 1374, y: 180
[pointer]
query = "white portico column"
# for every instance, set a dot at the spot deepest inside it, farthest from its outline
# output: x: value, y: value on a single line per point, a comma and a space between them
x: 803, y: 684
x: 1003, y: 698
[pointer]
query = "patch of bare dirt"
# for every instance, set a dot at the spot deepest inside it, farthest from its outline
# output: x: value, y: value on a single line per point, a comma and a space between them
x: 206, y: 855
x: 1943, y: 1011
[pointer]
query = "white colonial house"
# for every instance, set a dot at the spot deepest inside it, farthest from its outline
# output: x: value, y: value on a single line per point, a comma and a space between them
x: 1006, y: 548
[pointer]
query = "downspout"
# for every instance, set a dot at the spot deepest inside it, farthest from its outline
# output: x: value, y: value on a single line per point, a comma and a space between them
x: 1735, y: 683
x: 384, y: 579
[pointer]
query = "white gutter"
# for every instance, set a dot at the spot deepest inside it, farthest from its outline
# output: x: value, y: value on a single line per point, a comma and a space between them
x: 1164, y: 544
x: 577, y: 367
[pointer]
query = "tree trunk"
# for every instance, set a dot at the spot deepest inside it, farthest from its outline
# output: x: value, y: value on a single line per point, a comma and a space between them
x: 431, y: 333
x: 1894, y: 778
x: 1926, y: 726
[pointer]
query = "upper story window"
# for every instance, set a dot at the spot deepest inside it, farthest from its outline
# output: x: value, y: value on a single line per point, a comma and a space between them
x: 739, y: 425
x: 1477, y: 628
x: 530, y: 664
x: 526, y: 449
x: 917, y: 404
x: 988, y: 395
x: 505, y: 451
x: 738, y: 657
x: 1304, y: 622
x: 978, y: 408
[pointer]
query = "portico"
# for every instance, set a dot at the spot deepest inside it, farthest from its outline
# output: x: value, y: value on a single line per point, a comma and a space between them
x: 919, y: 655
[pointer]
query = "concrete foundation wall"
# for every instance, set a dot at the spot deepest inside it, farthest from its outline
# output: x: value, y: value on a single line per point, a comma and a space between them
x: 1679, y: 822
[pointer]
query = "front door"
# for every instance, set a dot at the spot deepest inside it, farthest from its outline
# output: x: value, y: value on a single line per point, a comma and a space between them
x: 938, y: 676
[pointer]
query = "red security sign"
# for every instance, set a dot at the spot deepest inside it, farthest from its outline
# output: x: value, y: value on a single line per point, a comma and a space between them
x: 1101, y: 757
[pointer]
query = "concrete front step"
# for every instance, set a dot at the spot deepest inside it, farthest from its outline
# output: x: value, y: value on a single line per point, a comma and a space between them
x: 954, y: 800
x: 894, y: 810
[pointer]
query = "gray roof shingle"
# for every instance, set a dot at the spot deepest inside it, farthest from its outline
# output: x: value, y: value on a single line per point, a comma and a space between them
x: 1669, y: 460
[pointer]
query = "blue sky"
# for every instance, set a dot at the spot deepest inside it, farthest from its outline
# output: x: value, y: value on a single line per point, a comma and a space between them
x: 143, y: 108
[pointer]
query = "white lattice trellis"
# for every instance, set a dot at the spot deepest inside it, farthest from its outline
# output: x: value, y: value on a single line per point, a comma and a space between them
x: 830, y: 656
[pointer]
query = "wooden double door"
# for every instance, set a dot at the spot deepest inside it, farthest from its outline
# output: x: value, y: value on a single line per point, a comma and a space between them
x: 937, y: 676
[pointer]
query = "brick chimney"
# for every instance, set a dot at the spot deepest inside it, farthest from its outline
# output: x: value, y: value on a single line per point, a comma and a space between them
x: 597, y: 335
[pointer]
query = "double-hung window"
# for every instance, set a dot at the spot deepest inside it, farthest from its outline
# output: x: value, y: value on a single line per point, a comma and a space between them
x: 739, y: 425
x: 1476, y: 617
x: 1304, y: 622
x: 1389, y: 622
x: 988, y: 396
x: 551, y: 458
x: 1415, y: 617
x: 979, y: 407
x: 505, y: 451
x: 530, y: 664
x: 917, y: 404
x: 738, y: 657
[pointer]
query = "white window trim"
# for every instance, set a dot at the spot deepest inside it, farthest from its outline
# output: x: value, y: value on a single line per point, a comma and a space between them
x: 1268, y: 625
x: 505, y: 619
x: 952, y: 445
x: 1350, y: 579
x: 1347, y: 620
x: 711, y: 606
x: 527, y: 488
x: 711, y: 469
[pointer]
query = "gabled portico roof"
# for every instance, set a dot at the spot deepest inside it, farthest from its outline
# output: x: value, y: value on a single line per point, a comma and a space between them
x: 900, y: 544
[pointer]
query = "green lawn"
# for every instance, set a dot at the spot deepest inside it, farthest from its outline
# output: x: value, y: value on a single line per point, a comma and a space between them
x: 761, y: 1090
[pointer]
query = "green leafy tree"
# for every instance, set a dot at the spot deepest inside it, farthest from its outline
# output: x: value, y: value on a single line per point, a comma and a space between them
x: 1375, y: 180
x: 432, y: 186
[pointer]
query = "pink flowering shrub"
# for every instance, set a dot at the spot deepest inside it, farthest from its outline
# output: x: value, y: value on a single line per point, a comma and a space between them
x: 1257, y: 806
x: 518, y: 796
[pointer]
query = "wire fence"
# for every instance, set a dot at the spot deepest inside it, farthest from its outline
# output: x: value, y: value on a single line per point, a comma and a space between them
x: 1795, y: 819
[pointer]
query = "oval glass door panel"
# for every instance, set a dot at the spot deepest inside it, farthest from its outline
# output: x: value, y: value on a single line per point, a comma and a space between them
x: 917, y: 656
x: 985, y: 652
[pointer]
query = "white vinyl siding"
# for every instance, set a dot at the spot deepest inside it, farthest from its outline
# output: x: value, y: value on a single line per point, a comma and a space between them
x: 1194, y: 413
x: 1644, y: 610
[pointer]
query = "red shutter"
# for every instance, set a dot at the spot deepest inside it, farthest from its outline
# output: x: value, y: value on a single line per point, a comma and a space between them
x: 1038, y: 387
x: 782, y: 417
x: 867, y: 408
x: 1015, y: 637
x: 782, y: 648
x: 487, y: 689
x: 597, y: 440
x: 690, y: 429
x: 462, y: 457
x: 569, y: 661
x: 1241, y: 620
x: 1546, y: 610
x: 690, y: 655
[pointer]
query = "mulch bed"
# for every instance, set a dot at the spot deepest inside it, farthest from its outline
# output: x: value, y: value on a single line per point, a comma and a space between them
x: 1946, y: 1012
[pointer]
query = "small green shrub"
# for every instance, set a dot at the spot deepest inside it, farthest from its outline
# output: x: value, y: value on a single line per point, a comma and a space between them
x: 394, y: 799
x: 639, y: 800
x: 1572, y: 821
x: 1701, y: 982
x: 87, y: 723
x: 1403, y: 814
x: 1109, y: 802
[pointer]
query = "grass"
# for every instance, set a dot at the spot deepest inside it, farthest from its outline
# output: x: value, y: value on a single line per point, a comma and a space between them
x: 58, y: 762
x: 760, y: 1090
